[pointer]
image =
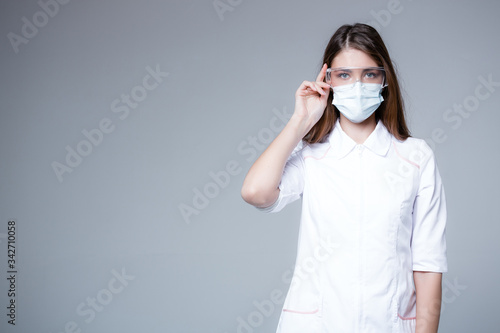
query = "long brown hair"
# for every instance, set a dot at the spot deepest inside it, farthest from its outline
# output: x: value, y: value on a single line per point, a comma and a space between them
x: 391, y: 112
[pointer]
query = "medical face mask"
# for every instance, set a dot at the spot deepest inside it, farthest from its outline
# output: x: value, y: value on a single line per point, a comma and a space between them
x: 357, y: 101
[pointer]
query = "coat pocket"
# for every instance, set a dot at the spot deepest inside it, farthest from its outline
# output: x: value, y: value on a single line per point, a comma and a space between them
x: 301, y: 313
x: 407, y: 324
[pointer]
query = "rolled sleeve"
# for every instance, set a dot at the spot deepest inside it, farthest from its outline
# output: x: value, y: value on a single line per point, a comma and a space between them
x: 291, y: 184
x: 429, y: 218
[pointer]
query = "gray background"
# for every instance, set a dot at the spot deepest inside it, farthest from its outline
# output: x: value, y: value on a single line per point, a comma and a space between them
x: 120, y: 209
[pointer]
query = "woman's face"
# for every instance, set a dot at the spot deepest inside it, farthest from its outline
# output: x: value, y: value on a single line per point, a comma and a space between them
x: 352, y: 58
x: 361, y: 60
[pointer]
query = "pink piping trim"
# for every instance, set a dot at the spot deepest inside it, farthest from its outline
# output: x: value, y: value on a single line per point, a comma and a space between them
x: 407, y: 160
x: 321, y: 156
x: 406, y: 318
x: 302, y: 312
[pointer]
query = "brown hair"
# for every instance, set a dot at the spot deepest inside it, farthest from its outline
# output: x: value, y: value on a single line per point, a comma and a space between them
x: 391, y: 112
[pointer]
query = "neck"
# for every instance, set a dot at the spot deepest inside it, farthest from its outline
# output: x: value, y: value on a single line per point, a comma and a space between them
x: 358, y: 132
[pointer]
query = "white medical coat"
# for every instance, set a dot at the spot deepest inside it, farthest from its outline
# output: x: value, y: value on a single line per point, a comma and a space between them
x: 372, y: 214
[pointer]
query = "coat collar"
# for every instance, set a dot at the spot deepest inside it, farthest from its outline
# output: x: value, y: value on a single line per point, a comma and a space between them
x: 378, y: 141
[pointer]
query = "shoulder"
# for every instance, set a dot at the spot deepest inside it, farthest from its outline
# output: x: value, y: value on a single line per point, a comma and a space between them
x: 315, y: 150
x: 413, y: 149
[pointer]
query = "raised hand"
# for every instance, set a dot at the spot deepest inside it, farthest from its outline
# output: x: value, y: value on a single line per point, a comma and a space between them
x: 311, y: 97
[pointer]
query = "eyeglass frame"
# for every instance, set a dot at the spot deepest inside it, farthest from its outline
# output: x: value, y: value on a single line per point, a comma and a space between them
x: 329, y: 70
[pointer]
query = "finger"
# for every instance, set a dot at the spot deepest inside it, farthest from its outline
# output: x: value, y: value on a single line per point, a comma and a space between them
x: 322, y: 88
x: 308, y: 86
x: 304, y: 89
x: 322, y: 73
x: 323, y: 85
x: 312, y: 88
x: 305, y: 85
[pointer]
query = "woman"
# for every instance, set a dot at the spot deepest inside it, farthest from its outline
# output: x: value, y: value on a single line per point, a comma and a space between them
x: 372, y: 246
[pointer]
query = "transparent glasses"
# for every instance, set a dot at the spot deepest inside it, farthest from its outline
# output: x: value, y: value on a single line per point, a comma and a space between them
x: 341, y: 76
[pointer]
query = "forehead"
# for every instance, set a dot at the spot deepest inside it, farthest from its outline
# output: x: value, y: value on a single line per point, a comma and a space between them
x: 352, y: 58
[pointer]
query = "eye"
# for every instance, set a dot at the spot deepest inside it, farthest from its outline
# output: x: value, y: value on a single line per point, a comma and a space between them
x: 343, y: 75
x: 372, y: 75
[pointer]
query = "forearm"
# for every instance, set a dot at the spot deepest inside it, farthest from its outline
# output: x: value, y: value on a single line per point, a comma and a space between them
x: 260, y: 187
x: 428, y: 289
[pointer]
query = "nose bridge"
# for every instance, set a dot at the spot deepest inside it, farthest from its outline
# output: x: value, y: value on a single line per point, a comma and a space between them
x: 358, y: 87
x: 357, y: 75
